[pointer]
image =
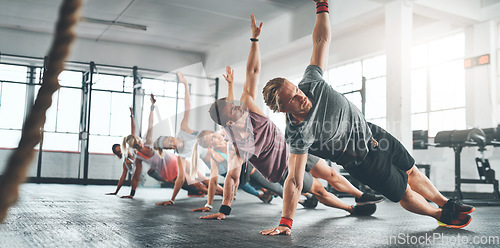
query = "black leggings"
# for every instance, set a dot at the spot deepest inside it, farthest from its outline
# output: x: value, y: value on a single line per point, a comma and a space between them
x: 256, y: 179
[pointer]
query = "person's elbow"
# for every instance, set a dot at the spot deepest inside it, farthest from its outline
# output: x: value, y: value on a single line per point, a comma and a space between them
x: 233, y: 177
x: 254, y: 70
x: 322, y: 41
x: 293, y: 182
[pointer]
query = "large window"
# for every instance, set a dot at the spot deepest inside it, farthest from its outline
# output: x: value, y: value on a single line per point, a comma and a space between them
x: 110, y: 115
x: 374, y: 71
x: 111, y: 96
x: 438, y: 85
x: 12, y: 103
x: 348, y: 78
x: 63, y: 117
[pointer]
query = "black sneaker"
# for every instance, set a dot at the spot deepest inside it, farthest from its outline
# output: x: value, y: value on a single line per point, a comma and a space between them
x: 364, y: 210
x: 266, y: 197
x: 453, y: 219
x: 310, y: 202
x: 368, y: 198
x: 456, y: 206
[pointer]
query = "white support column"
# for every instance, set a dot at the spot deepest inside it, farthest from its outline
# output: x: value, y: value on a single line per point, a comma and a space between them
x: 480, y: 81
x: 398, y: 41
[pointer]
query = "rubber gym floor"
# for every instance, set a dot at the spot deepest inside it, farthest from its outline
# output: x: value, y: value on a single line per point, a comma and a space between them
x: 53, y: 215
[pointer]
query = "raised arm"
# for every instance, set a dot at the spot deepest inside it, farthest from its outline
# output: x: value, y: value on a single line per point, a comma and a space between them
x: 253, y: 62
x: 291, y: 192
x: 132, y: 121
x: 149, y: 134
x: 230, y: 79
x: 253, y: 70
x: 187, y: 104
x: 230, y: 184
x: 321, y: 35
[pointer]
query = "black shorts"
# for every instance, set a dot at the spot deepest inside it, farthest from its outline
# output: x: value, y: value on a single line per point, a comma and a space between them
x: 308, y: 178
x: 384, y: 168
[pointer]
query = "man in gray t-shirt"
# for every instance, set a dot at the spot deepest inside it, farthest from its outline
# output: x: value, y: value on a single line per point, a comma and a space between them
x: 323, y: 122
x: 336, y: 130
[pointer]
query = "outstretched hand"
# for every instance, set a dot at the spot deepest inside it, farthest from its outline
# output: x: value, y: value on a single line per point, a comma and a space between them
x: 165, y: 203
x: 152, y: 98
x: 127, y: 196
x: 181, y: 77
x: 255, y: 30
x: 217, y: 216
x: 114, y: 193
x: 277, y: 231
x: 230, y: 75
x: 202, y: 209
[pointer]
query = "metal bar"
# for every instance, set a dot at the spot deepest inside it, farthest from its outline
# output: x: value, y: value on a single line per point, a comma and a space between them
x: 169, y: 72
x: 475, y: 181
x: 123, y: 84
x: 86, y: 161
x: 152, y: 78
x: 76, y: 62
x: 104, y: 65
x: 111, y: 91
x: 363, y: 95
x: 216, y: 88
x: 1, y: 90
x: 62, y: 86
x: 16, y: 64
x: 75, y: 181
x: 113, y: 74
x: 57, y: 108
x: 458, y: 180
x: 115, y: 66
x: 350, y: 92
x: 40, y: 152
x: 74, y: 70
x: 30, y: 91
x: 30, y: 96
x: 135, y: 82
x: 40, y: 146
x: 13, y: 82
x: 177, y: 107
x: 496, y: 192
x: 137, y: 87
x: 21, y: 56
x: 216, y: 96
x: 83, y: 116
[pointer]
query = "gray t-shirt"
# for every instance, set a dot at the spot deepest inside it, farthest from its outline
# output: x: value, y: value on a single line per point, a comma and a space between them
x: 334, y: 128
